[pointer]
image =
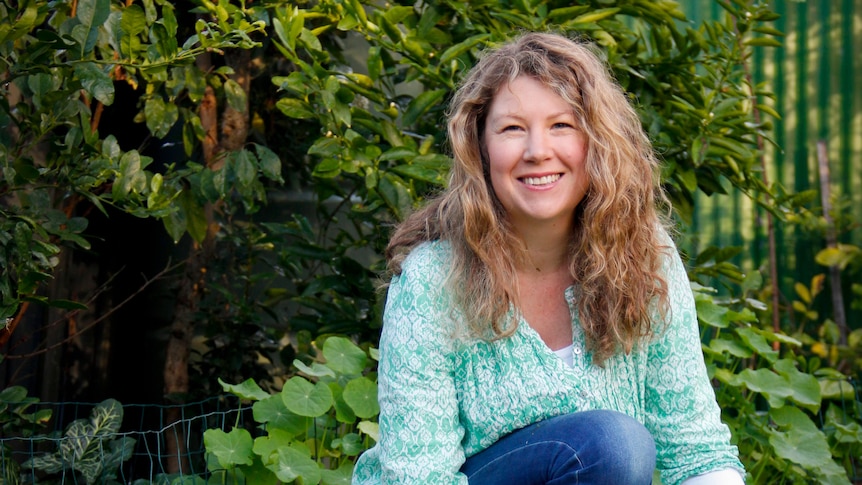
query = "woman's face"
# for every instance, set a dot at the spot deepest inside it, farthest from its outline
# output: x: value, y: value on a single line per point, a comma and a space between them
x: 536, y: 155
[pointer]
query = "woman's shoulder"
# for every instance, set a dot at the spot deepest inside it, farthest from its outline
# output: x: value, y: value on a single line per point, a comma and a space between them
x: 429, y: 259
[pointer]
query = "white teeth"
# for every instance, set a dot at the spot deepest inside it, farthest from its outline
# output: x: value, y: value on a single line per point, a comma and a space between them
x: 547, y: 179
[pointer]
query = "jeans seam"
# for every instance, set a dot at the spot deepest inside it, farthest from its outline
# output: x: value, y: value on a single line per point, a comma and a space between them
x: 559, y: 442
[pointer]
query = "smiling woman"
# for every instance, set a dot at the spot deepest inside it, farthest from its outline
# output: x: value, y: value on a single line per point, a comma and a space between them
x: 536, y: 156
x: 539, y: 325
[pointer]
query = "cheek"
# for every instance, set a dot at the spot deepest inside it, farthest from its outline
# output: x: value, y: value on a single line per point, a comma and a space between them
x: 495, y: 162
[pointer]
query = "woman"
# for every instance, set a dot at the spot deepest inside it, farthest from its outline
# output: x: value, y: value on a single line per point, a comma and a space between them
x: 539, y: 325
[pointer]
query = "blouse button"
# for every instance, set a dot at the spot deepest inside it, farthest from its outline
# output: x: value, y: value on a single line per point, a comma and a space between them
x: 577, y: 350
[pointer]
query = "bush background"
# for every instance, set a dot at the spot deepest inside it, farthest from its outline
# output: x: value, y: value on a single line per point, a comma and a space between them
x: 197, y: 191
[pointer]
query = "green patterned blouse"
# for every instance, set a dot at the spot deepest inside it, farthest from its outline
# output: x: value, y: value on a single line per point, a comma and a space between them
x: 444, y: 397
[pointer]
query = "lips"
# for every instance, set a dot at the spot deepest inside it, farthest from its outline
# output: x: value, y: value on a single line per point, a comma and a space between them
x: 542, y: 180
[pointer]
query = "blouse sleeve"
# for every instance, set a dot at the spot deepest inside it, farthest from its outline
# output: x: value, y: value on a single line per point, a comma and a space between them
x: 420, y: 433
x: 681, y: 410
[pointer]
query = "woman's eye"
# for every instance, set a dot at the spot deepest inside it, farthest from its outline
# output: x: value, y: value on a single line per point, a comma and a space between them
x: 563, y: 125
x: 511, y: 128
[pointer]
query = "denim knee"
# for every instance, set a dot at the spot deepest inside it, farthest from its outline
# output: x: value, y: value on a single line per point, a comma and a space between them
x: 623, y: 448
x: 591, y: 447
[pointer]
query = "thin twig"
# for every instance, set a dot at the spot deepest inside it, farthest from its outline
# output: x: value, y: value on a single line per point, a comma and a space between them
x: 147, y: 282
x: 96, y: 293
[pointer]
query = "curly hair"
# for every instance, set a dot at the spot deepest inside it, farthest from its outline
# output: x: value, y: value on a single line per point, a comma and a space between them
x: 617, y: 239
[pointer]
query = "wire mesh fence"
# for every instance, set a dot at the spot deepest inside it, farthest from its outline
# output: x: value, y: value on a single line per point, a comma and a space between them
x: 110, y: 443
x: 107, y: 443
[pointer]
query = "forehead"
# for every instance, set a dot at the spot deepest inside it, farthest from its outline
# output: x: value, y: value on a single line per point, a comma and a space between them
x: 526, y: 93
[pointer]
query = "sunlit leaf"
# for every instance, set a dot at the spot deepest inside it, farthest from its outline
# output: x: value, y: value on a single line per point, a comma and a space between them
x: 267, y: 446
x: 343, y: 356
x: 361, y: 395
x: 306, y: 399
x: 248, y: 390
x: 233, y: 448
x: 290, y: 464
x: 799, y: 441
x: 275, y: 414
x: 370, y: 428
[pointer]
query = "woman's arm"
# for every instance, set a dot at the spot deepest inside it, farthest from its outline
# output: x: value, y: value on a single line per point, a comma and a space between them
x: 681, y: 409
x: 420, y: 434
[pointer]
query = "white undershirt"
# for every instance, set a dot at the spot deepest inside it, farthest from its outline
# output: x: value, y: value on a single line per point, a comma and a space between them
x: 726, y: 476
x: 567, y: 354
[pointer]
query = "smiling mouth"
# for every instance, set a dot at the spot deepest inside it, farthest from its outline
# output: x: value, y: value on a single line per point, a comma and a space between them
x: 544, y: 180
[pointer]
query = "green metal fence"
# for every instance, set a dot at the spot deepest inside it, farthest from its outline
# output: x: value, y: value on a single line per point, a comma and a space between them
x: 816, y: 78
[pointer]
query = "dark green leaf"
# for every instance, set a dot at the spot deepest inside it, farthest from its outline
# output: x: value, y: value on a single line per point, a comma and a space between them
x: 421, y: 104
x: 236, y: 97
x: 270, y: 164
x: 91, y: 14
x: 96, y: 82
x: 290, y: 464
x: 272, y: 411
x: 246, y: 173
x: 160, y: 116
x: 462, y: 47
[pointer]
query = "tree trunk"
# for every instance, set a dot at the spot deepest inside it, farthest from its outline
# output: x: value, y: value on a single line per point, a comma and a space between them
x: 176, y: 372
x: 232, y: 136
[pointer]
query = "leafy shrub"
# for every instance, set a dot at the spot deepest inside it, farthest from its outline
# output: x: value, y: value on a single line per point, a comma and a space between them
x: 788, y: 416
x: 17, y: 422
x: 311, y: 430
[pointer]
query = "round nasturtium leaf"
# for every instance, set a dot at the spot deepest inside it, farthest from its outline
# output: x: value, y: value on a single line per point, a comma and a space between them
x: 291, y: 464
x: 274, y: 413
x: 350, y: 444
x: 361, y: 395
x: 306, y: 399
x: 267, y: 446
x: 343, y: 356
x: 233, y: 448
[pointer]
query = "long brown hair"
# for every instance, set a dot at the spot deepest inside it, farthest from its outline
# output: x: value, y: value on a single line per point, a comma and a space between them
x: 616, y: 244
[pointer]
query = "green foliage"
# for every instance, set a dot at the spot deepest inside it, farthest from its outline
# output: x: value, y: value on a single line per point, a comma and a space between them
x: 772, y: 395
x: 314, y: 427
x: 90, y: 449
x: 368, y: 135
x: 16, y: 420
x: 379, y: 152
x: 60, y: 68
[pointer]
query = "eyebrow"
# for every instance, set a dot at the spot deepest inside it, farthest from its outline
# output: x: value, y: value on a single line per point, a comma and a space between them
x: 516, y: 116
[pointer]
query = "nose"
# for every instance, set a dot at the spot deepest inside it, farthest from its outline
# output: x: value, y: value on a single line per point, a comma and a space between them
x: 538, y: 146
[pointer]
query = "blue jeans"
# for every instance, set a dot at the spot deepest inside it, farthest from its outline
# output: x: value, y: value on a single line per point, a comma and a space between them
x: 589, y: 447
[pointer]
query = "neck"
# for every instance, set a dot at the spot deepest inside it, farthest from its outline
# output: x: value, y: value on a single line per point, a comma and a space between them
x: 546, y: 252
